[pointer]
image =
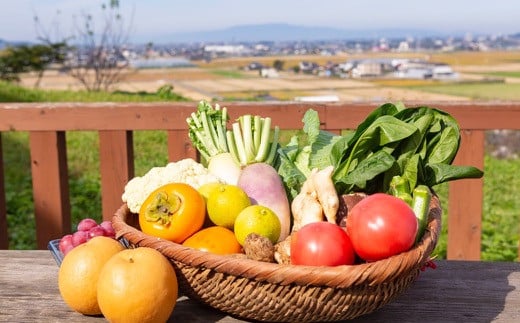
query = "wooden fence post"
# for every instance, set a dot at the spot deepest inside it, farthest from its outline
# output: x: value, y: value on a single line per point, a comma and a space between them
x: 464, y: 219
x: 4, y: 241
x: 50, y: 185
x: 180, y: 147
x: 116, y: 162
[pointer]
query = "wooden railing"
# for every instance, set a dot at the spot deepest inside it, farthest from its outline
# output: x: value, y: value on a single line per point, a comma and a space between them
x: 115, y: 123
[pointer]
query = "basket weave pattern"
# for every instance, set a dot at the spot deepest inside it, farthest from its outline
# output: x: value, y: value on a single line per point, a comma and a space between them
x: 286, y: 293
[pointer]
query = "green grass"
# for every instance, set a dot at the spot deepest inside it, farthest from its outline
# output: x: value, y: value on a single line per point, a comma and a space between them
x: 476, y: 91
x: 12, y: 93
x: 228, y: 73
x: 503, y: 73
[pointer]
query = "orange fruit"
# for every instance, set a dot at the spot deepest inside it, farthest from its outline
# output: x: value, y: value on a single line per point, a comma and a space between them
x: 79, y: 272
x: 215, y: 239
x: 137, y: 285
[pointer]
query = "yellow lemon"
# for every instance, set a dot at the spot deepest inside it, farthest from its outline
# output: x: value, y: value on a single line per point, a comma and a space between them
x: 206, y: 189
x: 224, y: 204
x: 257, y: 219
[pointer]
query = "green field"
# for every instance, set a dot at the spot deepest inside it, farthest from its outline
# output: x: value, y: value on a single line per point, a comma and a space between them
x: 475, y: 91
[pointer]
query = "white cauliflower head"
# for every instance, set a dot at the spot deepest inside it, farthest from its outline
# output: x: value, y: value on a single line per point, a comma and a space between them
x: 184, y: 171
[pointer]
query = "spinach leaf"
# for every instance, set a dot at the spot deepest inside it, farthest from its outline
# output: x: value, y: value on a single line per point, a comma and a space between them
x: 367, y: 169
x: 383, y: 131
x: 440, y: 173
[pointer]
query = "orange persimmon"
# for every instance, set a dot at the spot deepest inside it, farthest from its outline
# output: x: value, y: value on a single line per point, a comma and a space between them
x: 173, y: 212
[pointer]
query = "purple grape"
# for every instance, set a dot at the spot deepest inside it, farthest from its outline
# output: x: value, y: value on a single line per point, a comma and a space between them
x: 109, y: 230
x: 96, y: 231
x: 65, y: 244
x: 87, y: 224
x: 79, y: 237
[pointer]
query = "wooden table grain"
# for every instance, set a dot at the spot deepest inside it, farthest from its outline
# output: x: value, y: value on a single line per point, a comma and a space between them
x: 456, y: 291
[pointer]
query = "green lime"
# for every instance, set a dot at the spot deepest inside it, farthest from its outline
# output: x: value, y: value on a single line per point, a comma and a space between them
x: 224, y: 204
x: 257, y: 219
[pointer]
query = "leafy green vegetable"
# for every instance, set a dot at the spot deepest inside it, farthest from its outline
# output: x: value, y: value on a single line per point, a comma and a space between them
x: 417, y: 143
x: 308, y: 149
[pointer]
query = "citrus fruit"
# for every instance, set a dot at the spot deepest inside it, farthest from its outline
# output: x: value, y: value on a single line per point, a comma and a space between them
x: 206, y: 189
x: 79, y: 272
x: 225, y: 203
x: 137, y: 285
x: 257, y: 219
x: 215, y: 239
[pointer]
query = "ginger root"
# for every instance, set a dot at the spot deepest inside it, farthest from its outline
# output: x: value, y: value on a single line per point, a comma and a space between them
x: 305, y: 206
x: 317, y: 198
x: 327, y: 195
x: 282, y: 251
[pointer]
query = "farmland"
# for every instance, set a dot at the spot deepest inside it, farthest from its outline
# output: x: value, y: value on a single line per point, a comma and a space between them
x: 483, y: 76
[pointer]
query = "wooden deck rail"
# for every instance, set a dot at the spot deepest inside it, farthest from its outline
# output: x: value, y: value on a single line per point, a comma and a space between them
x: 47, y: 125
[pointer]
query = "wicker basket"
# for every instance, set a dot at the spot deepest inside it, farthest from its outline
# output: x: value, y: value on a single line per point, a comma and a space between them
x: 261, y: 291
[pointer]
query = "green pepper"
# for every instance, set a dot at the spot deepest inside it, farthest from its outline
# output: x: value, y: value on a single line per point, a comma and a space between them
x: 421, y: 197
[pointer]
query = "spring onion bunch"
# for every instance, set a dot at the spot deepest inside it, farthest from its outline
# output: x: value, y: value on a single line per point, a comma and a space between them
x: 227, y: 150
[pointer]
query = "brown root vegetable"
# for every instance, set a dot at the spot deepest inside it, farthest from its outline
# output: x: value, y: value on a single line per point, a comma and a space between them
x: 258, y: 248
x: 326, y: 192
x: 305, y: 209
x: 282, y: 251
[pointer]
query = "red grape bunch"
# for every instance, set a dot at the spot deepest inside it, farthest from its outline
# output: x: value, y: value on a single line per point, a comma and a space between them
x: 87, y: 229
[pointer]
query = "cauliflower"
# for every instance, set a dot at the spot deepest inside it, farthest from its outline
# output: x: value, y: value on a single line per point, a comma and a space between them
x: 185, y: 171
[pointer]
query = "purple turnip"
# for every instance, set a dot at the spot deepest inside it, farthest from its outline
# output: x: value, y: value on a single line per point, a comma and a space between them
x: 264, y: 187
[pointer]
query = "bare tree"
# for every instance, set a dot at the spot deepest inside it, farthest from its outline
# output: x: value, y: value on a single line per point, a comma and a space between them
x: 95, y: 57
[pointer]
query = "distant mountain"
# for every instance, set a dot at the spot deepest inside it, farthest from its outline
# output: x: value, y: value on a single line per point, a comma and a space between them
x: 287, y: 32
x: 5, y: 43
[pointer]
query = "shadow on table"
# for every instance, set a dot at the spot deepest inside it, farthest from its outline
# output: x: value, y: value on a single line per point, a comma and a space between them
x: 462, y: 291
x: 187, y: 310
x: 456, y: 293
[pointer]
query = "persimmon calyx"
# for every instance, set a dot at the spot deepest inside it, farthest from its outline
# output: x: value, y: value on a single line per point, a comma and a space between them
x: 162, y: 208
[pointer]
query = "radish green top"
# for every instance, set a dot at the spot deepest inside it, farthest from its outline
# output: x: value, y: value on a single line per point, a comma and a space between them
x: 248, y: 140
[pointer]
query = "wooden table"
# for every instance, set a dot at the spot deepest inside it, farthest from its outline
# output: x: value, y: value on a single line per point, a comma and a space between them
x: 457, y: 291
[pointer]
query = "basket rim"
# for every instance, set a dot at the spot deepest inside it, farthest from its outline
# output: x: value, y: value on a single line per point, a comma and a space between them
x: 343, y: 276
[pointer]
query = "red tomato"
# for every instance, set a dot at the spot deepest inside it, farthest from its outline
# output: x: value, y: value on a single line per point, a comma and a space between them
x: 380, y: 226
x: 321, y: 244
x: 215, y: 239
x: 172, y: 212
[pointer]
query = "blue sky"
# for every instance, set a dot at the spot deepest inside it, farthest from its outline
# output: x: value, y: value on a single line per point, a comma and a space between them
x: 160, y: 17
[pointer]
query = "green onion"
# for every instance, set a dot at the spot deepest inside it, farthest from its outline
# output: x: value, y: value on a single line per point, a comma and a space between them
x: 248, y: 140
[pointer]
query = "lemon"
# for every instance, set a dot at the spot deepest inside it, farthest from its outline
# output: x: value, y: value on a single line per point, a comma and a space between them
x: 257, y: 219
x: 224, y: 204
x: 206, y: 189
